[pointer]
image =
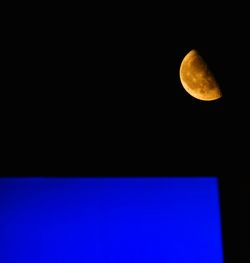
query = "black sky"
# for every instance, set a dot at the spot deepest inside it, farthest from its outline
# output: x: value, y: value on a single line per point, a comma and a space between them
x: 106, y: 89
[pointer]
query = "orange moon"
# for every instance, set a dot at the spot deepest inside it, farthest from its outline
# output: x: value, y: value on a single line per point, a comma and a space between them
x: 197, y: 79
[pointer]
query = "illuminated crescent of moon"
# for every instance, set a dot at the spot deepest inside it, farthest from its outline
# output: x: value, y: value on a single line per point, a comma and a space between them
x: 197, y: 79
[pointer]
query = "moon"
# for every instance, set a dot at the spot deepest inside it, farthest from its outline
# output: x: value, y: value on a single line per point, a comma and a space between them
x: 197, y: 79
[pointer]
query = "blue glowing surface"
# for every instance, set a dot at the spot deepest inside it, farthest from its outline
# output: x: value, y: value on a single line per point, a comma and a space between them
x: 110, y: 220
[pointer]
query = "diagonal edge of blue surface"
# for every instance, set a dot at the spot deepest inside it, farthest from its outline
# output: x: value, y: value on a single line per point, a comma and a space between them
x: 166, y: 219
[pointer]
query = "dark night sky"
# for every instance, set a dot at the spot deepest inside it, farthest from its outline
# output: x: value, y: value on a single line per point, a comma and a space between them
x: 103, y: 88
x: 102, y: 94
